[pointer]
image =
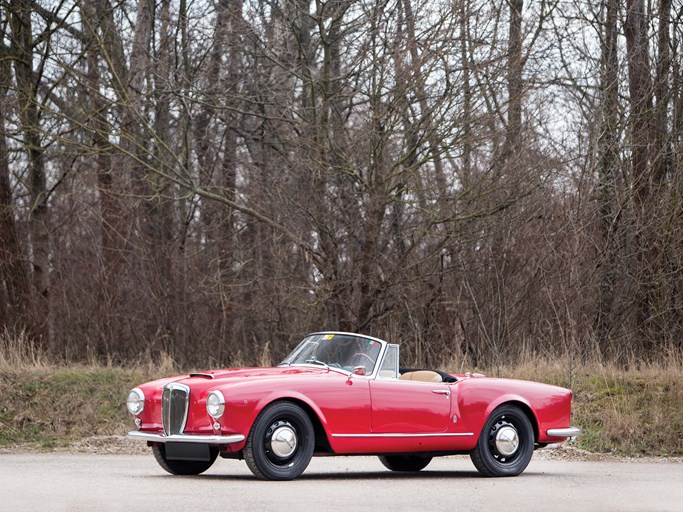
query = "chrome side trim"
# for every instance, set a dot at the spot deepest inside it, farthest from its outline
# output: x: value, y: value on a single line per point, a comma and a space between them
x: 184, y: 438
x: 397, y: 435
x: 563, y: 432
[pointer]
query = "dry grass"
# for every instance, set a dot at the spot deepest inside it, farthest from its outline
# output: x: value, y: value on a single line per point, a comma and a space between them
x: 19, y: 354
x: 18, y: 351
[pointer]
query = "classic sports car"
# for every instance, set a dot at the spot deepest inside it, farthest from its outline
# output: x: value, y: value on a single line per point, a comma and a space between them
x: 345, y: 394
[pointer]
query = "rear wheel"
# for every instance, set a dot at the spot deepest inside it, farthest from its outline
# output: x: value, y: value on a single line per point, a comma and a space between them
x: 506, y: 443
x: 281, y: 442
x: 404, y: 462
x: 182, y: 467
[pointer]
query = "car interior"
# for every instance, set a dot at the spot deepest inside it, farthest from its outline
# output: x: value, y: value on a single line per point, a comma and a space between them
x: 424, y: 375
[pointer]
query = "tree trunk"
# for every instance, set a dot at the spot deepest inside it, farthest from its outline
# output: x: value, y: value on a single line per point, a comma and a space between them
x: 467, y: 96
x: 641, y: 112
x: 640, y: 95
x: 14, y: 285
x: 29, y: 113
x: 608, y: 170
x: 158, y: 203
x: 514, y: 81
x: 112, y: 227
x: 662, y: 151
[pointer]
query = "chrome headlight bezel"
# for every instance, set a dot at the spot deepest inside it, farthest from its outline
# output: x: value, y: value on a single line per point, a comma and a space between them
x: 215, y: 404
x: 135, y: 401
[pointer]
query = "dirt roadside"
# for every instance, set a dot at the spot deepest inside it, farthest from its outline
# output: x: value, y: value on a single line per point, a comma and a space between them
x: 120, y: 445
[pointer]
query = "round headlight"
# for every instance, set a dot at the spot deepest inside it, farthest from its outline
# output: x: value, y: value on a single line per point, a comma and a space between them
x: 215, y: 404
x: 135, y: 401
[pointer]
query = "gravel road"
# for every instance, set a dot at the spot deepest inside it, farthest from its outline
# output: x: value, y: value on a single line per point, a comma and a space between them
x: 73, y: 482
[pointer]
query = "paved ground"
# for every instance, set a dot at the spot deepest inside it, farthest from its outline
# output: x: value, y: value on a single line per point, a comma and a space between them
x: 87, y: 482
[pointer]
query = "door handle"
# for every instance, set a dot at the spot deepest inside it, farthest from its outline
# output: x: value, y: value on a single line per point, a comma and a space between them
x: 441, y: 391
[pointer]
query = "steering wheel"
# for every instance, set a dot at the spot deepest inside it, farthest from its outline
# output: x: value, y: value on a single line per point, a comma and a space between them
x: 361, y: 355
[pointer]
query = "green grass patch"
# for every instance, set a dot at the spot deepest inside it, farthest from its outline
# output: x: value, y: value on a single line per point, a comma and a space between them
x: 626, y: 413
x: 52, y: 407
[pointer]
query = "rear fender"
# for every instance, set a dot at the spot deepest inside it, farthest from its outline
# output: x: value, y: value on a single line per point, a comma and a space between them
x: 518, y: 401
x: 479, y: 411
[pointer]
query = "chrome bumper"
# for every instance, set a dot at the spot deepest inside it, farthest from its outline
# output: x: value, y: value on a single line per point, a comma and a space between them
x: 563, y: 432
x: 183, y: 438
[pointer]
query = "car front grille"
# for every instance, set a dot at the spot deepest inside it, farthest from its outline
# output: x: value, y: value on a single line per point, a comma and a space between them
x: 174, y: 404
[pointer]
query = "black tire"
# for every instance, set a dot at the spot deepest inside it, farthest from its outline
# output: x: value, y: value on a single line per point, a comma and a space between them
x: 404, y: 462
x: 269, y: 460
x: 182, y: 467
x: 506, y: 443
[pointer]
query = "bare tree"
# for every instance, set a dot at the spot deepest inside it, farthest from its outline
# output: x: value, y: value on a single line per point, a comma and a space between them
x: 14, y: 288
x: 479, y: 181
x: 22, y: 54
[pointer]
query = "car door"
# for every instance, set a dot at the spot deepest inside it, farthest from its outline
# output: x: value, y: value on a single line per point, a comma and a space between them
x: 409, y: 407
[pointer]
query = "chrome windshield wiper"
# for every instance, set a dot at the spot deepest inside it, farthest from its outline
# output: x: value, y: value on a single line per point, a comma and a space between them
x: 313, y: 360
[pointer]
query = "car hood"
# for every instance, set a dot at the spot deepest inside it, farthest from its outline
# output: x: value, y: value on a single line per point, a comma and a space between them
x: 214, y: 378
x: 255, y: 373
x: 217, y: 378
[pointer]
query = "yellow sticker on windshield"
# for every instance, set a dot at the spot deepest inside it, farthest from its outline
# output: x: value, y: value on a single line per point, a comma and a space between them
x: 328, y: 336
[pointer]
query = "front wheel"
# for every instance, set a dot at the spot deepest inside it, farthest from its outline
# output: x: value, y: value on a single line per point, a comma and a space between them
x: 404, y: 462
x: 505, y: 444
x: 182, y: 467
x: 281, y: 442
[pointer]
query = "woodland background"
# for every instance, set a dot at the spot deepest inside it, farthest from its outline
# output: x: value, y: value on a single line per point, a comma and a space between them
x: 482, y: 181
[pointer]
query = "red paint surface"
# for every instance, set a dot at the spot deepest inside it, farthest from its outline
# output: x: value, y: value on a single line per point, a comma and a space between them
x: 362, y: 415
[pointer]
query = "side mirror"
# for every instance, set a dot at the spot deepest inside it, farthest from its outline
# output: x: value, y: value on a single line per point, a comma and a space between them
x: 358, y: 370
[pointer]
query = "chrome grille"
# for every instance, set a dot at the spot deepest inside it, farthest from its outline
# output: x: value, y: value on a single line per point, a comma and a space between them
x: 174, y: 404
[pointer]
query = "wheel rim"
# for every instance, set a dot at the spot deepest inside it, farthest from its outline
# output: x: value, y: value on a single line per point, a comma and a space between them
x: 281, y: 442
x: 507, y: 440
x: 504, y: 441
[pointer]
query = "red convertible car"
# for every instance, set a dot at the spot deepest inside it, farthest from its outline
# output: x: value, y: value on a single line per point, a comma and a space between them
x: 345, y: 394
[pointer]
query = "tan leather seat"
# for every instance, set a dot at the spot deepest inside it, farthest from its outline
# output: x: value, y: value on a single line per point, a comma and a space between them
x: 422, y: 376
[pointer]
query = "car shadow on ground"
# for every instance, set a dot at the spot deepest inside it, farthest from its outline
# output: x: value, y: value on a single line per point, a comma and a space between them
x: 362, y: 475
x: 389, y: 475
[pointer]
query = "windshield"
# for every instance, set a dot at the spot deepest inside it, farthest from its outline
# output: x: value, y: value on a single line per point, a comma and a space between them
x: 336, y: 350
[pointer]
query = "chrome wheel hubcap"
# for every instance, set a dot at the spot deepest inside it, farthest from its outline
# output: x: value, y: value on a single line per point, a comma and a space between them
x: 283, y: 442
x: 507, y: 440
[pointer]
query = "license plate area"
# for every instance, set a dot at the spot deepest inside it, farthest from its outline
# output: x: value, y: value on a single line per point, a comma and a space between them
x: 188, y: 451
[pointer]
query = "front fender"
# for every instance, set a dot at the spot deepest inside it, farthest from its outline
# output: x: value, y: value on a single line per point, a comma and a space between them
x: 292, y: 396
x: 244, y: 402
